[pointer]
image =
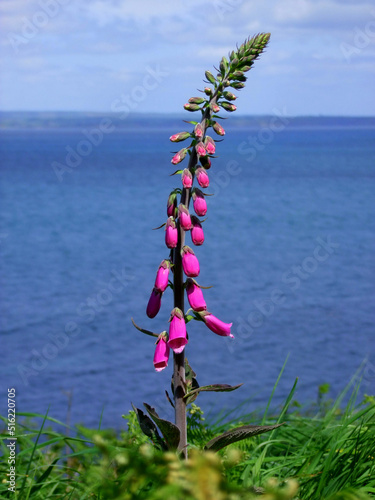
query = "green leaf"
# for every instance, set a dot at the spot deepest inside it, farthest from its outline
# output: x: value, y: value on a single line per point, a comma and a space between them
x: 234, y: 435
x: 191, y: 382
x: 170, y: 432
x: 213, y: 388
x: 149, y: 428
x: 147, y: 332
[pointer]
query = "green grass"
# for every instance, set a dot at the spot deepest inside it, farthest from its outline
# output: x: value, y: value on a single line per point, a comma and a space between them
x: 325, y: 451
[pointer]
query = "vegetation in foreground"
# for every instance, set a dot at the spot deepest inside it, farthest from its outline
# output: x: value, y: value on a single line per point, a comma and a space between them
x: 324, y: 452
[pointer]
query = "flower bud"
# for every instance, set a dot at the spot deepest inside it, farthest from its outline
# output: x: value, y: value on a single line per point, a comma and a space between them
x: 171, y: 233
x: 210, y: 77
x: 202, y: 177
x: 208, y: 91
x: 181, y: 136
x: 199, y: 203
x: 161, y: 355
x: 191, y: 107
x: 215, y: 108
x: 190, y: 262
x: 177, y: 331
x: 200, y: 149
x: 161, y: 281
x: 178, y: 157
x: 184, y: 217
x: 228, y: 95
x: 228, y: 106
x: 197, y: 234
x: 237, y: 85
x: 172, y: 204
x: 216, y: 325
x: 187, y: 178
x: 238, y: 74
x: 154, y: 303
x: 197, y: 100
x: 210, y: 145
x: 218, y: 128
x: 198, y: 131
x: 195, y: 295
x: 205, y: 162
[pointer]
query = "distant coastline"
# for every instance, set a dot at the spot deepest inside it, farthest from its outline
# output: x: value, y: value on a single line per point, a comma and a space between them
x: 15, y: 120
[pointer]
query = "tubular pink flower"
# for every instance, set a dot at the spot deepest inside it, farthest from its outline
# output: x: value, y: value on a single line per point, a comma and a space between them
x: 195, y: 296
x: 184, y: 217
x: 171, y: 233
x: 190, y: 263
x: 161, y: 355
x: 210, y: 145
x: 200, y: 149
x: 187, y: 178
x: 202, y: 177
x: 154, y: 303
x: 199, y: 203
x: 171, y: 204
x: 197, y: 234
x: 162, y: 275
x: 178, y: 157
x: 216, y: 325
x: 177, y: 331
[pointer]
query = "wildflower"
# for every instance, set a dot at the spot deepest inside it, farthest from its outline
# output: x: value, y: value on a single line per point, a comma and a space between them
x: 190, y: 262
x: 172, y: 204
x: 196, y: 231
x: 202, y: 177
x: 187, y: 178
x: 198, y: 131
x: 171, y: 233
x: 199, y: 203
x: 161, y: 355
x: 195, y: 295
x: 216, y: 325
x: 162, y: 275
x: 178, y: 157
x: 154, y: 303
x: 181, y: 136
x: 177, y: 331
x: 184, y: 217
x: 209, y: 144
x: 218, y: 128
x: 200, y: 149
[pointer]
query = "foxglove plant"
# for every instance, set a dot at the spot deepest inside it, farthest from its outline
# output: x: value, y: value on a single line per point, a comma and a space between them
x: 183, y: 261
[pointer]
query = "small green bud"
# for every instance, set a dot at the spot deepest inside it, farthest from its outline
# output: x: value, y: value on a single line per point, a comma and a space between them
x: 191, y: 107
x: 229, y: 96
x: 210, y: 77
x: 228, y: 106
x: 208, y: 91
x: 197, y: 100
x: 237, y: 85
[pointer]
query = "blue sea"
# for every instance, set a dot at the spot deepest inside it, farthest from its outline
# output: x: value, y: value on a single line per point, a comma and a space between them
x: 289, y: 253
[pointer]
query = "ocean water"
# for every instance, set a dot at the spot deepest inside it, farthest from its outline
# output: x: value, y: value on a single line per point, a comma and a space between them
x: 289, y: 253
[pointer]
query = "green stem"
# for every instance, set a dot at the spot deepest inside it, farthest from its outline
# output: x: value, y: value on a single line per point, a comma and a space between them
x: 178, y: 292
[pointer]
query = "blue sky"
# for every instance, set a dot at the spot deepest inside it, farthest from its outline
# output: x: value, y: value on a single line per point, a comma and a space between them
x: 104, y: 55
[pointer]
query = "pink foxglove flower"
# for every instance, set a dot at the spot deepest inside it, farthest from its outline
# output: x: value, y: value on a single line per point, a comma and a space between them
x: 202, y: 177
x: 199, y: 203
x: 215, y: 108
x: 181, y: 136
x: 195, y: 295
x: 161, y: 355
x: 178, y: 157
x: 200, y: 149
x: 162, y: 276
x: 210, y: 146
x: 184, y: 217
x: 171, y: 233
x: 187, y: 178
x: 216, y: 325
x: 198, y: 131
x: 172, y: 204
x: 177, y: 331
x: 154, y: 303
x: 190, y: 262
x: 197, y: 234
